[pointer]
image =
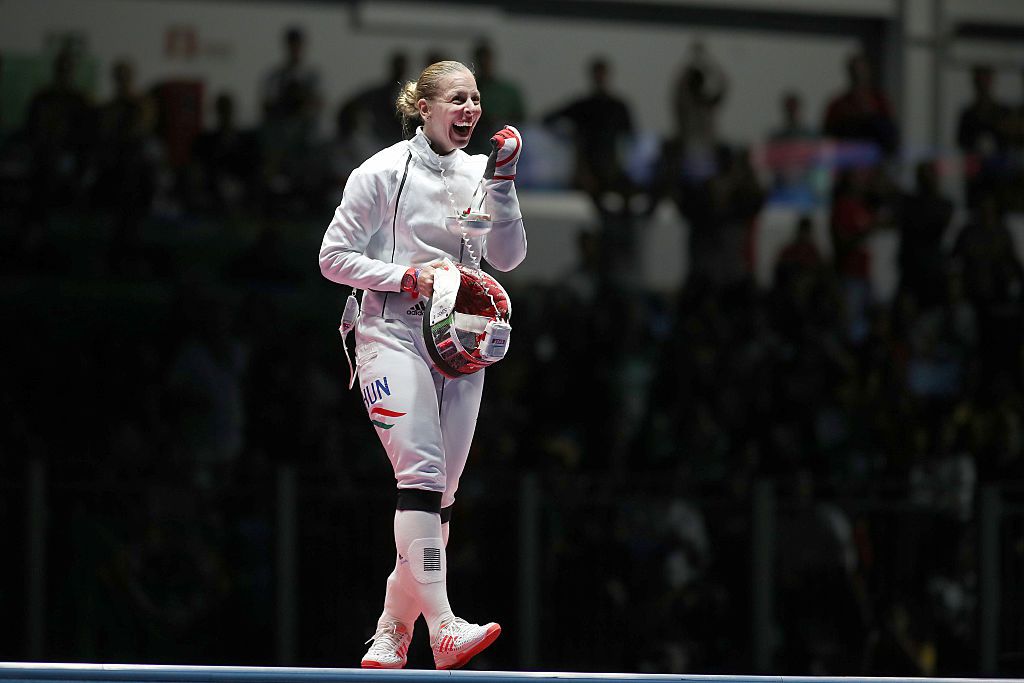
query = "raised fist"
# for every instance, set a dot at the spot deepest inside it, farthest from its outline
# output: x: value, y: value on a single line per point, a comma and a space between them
x: 506, y: 145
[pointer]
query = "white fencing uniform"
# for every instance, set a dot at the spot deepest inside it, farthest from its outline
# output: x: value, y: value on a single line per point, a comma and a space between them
x: 391, y: 217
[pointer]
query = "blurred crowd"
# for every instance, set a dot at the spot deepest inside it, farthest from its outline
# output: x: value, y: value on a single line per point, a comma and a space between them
x: 172, y: 332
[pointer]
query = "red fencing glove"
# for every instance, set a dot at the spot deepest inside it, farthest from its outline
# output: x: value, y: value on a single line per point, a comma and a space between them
x: 506, y: 145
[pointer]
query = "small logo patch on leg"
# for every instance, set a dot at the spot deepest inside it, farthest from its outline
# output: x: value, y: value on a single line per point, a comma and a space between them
x: 431, y: 559
x: 384, y: 413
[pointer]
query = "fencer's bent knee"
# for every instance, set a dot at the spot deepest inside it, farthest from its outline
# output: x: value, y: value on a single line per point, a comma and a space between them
x: 427, y: 560
x: 419, y: 499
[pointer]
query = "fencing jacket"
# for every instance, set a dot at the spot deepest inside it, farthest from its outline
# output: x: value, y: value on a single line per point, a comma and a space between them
x: 392, y: 214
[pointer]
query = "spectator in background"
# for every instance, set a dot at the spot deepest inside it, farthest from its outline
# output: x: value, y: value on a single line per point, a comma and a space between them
x: 800, y: 278
x: 601, y: 125
x: 862, y: 111
x: 355, y: 140
x: 224, y: 160
x: 791, y: 154
x: 291, y: 90
x: 981, y: 134
x: 800, y: 256
x: 793, y: 127
x: 940, y: 344
x: 291, y: 101
x: 719, y: 209
x: 994, y: 283
x: 735, y: 199
x: 205, y: 400
x: 57, y: 130
x: 126, y: 163
x: 924, y: 216
x: 692, y: 161
x: 503, y: 97
x: 1016, y: 126
x: 855, y: 217
x: 58, y: 120
x: 378, y: 103
x: 688, y: 158
x: 823, y: 608
x: 698, y: 93
x: 1015, y: 140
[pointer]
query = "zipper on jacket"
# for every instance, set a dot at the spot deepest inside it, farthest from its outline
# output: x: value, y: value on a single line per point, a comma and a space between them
x: 394, y: 226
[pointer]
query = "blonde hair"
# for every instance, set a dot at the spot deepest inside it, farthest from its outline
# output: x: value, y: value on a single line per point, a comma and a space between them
x: 425, y: 87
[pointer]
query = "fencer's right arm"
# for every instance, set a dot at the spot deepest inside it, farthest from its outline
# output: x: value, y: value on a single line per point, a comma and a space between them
x: 357, y: 218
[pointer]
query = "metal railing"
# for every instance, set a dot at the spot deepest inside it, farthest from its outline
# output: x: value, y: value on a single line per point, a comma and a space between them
x: 305, y: 538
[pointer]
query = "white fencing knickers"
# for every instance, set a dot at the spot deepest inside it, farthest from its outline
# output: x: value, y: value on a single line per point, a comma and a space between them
x: 424, y: 420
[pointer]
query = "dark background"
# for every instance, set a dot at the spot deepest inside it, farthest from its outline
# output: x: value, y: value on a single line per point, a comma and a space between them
x: 727, y: 477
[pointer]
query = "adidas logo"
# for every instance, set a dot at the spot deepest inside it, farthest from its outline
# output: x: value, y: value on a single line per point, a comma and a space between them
x: 417, y: 309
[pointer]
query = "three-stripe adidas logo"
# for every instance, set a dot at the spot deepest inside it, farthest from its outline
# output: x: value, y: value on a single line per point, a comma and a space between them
x: 447, y: 644
x: 431, y: 559
x: 417, y: 309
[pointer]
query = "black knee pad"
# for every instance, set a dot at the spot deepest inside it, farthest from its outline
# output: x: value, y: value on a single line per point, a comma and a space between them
x: 419, y: 499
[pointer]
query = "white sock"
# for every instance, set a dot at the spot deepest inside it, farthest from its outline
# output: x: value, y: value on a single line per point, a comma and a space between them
x: 419, y: 528
x: 399, y: 604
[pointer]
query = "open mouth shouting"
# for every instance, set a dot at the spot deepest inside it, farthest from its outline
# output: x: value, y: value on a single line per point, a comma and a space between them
x: 462, y: 130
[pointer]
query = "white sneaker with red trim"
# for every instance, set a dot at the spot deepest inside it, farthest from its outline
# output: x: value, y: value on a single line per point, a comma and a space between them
x: 458, y: 641
x: 390, y: 647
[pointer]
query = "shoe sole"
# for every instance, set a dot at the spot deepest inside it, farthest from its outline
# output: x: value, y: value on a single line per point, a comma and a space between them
x: 489, y: 637
x: 378, y: 665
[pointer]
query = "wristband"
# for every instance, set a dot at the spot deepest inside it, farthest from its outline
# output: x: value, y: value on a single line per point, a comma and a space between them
x: 411, y: 281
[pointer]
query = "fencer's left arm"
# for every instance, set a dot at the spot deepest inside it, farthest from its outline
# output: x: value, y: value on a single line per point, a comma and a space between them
x: 505, y: 245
